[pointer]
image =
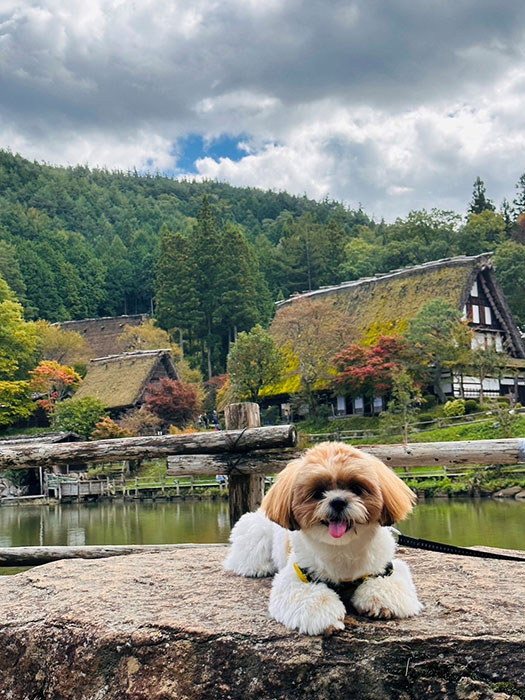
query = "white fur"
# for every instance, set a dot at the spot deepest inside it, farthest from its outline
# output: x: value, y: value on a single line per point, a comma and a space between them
x: 260, y: 548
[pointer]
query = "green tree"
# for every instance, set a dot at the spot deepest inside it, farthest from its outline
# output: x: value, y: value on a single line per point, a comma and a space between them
x: 237, y: 307
x: 78, y: 415
x: 176, y: 296
x: 206, y: 255
x: 15, y: 402
x: 509, y: 264
x: 18, y: 338
x: 403, y: 407
x: 64, y: 347
x: 254, y: 362
x: 362, y: 259
x: 519, y: 200
x: 10, y: 271
x: 480, y: 202
x: 442, y: 338
x: 481, y: 233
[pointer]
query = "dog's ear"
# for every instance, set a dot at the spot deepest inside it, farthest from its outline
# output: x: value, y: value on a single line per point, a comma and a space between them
x: 277, y: 504
x: 398, y: 499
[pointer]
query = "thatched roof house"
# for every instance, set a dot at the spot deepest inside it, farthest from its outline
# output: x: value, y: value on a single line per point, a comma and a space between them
x: 102, y: 334
x: 388, y: 301
x: 121, y: 381
x: 384, y: 304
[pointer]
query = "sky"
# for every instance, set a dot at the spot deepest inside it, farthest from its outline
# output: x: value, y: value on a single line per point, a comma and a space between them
x: 393, y: 105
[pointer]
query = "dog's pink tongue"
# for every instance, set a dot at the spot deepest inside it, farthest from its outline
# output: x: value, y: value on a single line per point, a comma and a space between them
x: 336, y: 529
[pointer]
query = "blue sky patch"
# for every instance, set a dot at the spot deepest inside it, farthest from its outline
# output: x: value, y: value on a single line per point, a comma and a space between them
x: 194, y: 146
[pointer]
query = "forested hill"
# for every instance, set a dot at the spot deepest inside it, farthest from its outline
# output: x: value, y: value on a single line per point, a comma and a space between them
x: 77, y: 243
x: 84, y: 242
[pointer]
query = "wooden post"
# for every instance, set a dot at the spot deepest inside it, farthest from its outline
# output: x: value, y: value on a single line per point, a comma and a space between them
x: 246, y: 491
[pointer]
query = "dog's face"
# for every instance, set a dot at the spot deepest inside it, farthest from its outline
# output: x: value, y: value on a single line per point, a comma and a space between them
x: 333, y: 489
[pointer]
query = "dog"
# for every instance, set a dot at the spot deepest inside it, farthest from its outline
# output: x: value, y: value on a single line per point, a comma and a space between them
x: 322, y: 529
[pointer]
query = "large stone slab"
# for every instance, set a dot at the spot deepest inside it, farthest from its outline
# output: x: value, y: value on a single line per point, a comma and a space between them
x: 175, y: 625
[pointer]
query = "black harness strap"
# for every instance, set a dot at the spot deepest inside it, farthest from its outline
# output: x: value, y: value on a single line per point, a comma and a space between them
x: 345, y: 589
x: 417, y: 543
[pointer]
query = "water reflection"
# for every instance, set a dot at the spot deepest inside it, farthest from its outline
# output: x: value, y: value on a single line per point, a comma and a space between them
x: 460, y: 522
x: 468, y: 522
x: 114, y: 523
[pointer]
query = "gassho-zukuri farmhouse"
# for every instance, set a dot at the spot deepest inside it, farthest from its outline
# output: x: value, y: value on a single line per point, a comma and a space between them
x: 385, y: 303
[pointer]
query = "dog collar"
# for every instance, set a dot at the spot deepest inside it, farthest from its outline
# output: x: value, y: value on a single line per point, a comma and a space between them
x: 343, y: 588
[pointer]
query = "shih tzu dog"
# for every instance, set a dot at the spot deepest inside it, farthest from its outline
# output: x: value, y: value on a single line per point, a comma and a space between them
x: 323, y: 531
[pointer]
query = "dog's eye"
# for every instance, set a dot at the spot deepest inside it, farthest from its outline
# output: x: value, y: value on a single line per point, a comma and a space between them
x: 357, y: 489
x: 318, y: 494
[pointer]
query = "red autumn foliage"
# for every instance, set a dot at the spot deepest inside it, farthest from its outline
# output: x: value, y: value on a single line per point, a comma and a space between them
x: 368, y: 371
x: 173, y: 401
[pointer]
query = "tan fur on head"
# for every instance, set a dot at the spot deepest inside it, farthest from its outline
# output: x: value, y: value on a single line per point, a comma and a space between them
x: 294, y: 501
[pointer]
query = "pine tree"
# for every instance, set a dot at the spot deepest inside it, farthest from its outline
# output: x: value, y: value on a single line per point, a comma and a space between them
x: 206, y: 258
x: 479, y: 201
x: 176, y: 299
x: 519, y: 200
x: 237, y: 309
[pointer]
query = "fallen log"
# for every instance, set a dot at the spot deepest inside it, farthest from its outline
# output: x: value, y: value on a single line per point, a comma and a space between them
x: 256, y: 462
x: 100, y: 451
x: 34, y: 556
x: 429, y: 454
x: 421, y: 454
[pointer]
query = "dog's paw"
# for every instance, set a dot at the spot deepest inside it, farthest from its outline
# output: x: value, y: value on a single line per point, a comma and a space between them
x: 309, y: 608
x: 380, y: 612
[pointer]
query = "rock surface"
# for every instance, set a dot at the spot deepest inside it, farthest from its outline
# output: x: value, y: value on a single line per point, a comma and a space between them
x: 175, y: 625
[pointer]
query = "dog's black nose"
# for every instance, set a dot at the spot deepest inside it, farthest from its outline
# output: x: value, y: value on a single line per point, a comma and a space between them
x: 338, y: 504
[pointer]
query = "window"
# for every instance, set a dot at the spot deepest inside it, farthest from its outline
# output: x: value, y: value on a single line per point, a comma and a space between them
x: 488, y: 316
x: 475, y: 313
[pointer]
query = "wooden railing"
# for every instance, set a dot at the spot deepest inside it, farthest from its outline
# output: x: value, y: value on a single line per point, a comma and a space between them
x: 248, y: 455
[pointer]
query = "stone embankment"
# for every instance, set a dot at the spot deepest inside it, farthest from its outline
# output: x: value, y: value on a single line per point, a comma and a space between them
x: 175, y: 625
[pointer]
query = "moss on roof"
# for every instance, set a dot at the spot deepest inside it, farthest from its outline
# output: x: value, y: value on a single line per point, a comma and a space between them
x: 119, y: 381
x: 383, y: 305
x: 387, y: 304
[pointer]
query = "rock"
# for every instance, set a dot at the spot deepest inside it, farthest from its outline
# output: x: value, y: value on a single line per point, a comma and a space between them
x: 175, y: 625
x: 8, y: 490
x: 507, y: 493
x: 520, y: 495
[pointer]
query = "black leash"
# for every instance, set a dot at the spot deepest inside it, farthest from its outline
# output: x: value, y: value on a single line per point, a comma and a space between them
x: 417, y: 543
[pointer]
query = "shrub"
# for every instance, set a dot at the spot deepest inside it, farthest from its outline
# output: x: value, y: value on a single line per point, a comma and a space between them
x: 472, y: 406
x: 182, y: 431
x: 454, y: 408
x: 173, y: 401
x: 107, y: 429
x: 140, y: 422
x: 423, y: 417
x: 78, y: 415
x: 429, y: 401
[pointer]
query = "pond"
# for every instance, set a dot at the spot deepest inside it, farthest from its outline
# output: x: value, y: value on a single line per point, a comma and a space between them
x: 463, y: 522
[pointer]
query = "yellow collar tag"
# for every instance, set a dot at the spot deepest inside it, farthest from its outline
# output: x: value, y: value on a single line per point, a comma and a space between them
x: 300, y: 573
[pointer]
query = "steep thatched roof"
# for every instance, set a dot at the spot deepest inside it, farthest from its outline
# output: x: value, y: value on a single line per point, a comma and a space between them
x: 102, y: 334
x: 120, y: 381
x: 385, y: 303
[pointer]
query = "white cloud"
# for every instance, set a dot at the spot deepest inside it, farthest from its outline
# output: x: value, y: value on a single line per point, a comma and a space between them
x: 393, y: 105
